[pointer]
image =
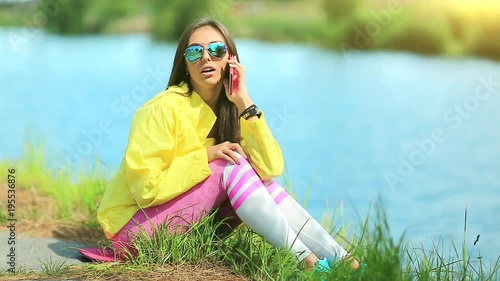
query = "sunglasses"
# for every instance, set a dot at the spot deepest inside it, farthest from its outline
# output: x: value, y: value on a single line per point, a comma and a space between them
x: 194, y: 52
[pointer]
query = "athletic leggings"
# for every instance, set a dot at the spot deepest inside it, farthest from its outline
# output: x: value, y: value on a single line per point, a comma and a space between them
x: 239, y: 193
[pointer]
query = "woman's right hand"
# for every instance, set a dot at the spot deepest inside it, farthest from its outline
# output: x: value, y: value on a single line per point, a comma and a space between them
x: 225, y: 151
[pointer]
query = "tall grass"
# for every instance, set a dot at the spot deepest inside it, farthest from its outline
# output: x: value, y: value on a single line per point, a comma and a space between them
x: 77, y: 193
x: 247, y: 254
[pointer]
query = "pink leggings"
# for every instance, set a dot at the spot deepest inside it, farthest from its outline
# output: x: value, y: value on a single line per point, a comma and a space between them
x: 184, y: 210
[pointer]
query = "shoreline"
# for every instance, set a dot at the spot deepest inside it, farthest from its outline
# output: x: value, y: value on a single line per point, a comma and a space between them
x: 296, y: 43
x: 454, y: 31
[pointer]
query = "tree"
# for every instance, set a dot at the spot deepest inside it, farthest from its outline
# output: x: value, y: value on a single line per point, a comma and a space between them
x: 171, y: 17
x: 340, y: 9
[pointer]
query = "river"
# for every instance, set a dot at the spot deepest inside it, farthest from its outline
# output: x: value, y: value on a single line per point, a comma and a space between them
x: 419, y: 134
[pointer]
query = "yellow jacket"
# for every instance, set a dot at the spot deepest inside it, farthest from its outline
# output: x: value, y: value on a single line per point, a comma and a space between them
x: 166, y: 155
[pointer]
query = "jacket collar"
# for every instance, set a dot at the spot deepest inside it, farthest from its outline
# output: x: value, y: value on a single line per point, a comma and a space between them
x: 202, y: 115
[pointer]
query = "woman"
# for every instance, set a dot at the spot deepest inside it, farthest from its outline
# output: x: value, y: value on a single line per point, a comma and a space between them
x: 196, y: 147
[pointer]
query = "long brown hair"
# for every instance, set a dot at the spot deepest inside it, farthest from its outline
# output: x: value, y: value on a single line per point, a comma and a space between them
x: 228, y: 122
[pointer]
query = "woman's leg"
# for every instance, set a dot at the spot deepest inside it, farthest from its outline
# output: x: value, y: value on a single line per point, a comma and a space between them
x: 255, y: 207
x: 314, y: 236
x: 225, y: 213
x: 180, y: 212
x: 246, y: 193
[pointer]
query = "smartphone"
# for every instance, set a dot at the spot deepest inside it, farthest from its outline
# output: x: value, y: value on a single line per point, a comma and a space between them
x: 230, y: 73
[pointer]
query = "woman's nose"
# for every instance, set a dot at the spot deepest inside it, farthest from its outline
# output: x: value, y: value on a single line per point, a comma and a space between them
x: 205, y: 56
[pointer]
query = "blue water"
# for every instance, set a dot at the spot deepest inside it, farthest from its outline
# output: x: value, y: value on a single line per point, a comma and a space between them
x: 421, y: 133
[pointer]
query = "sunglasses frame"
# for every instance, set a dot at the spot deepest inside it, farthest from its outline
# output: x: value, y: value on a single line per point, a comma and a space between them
x: 203, y: 48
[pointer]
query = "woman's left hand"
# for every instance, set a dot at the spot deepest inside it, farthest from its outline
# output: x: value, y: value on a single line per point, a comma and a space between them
x: 239, y: 95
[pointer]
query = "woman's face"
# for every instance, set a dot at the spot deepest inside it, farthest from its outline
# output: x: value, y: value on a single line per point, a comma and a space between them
x: 208, y: 70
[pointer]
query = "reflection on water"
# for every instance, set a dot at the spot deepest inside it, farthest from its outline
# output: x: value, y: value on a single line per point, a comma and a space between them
x: 422, y: 133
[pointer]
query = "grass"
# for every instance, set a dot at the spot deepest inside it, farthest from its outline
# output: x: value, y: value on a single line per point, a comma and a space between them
x: 54, y: 268
x: 205, y: 251
x: 76, y: 195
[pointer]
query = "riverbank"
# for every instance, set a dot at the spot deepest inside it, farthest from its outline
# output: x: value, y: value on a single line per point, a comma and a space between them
x: 49, y: 204
x: 449, y: 28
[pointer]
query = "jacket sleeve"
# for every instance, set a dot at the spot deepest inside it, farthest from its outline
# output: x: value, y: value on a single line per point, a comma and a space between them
x: 156, y: 170
x: 261, y: 147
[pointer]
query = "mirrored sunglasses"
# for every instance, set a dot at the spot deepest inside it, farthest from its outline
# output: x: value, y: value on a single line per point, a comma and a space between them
x: 194, y: 52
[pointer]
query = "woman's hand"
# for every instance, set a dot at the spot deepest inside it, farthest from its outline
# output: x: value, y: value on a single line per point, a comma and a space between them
x: 239, y: 95
x: 225, y: 151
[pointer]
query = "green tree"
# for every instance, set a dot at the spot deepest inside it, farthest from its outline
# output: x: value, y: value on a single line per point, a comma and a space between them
x: 101, y: 13
x: 341, y: 9
x: 170, y: 17
x: 66, y: 17
x: 85, y: 16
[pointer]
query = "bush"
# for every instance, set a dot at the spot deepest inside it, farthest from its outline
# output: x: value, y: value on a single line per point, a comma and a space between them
x: 67, y: 18
x: 341, y: 9
x: 84, y: 16
x: 408, y: 32
x: 488, y: 45
x: 171, y: 17
x: 101, y: 14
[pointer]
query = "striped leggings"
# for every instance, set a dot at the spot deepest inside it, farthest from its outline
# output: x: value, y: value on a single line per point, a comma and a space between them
x: 265, y: 207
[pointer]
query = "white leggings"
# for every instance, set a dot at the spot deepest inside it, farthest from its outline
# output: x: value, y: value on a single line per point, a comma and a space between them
x: 270, y: 211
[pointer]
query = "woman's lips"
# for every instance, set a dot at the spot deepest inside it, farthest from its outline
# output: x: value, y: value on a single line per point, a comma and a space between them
x: 208, y: 73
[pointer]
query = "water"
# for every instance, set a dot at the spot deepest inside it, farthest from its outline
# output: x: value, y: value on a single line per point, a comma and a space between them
x: 421, y: 133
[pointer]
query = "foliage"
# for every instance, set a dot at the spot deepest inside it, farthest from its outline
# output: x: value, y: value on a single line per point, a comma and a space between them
x: 77, y: 192
x: 448, y: 28
x: 337, y: 10
x: 85, y: 16
x: 171, y: 17
x: 66, y: 18
x: 101, y: 14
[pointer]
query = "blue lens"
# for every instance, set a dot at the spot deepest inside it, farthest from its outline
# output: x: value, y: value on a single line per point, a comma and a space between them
x: 217, y: 49
x: 195, y: 52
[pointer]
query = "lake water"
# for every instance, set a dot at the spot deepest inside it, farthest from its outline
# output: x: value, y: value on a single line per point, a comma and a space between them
x: 421, y: 133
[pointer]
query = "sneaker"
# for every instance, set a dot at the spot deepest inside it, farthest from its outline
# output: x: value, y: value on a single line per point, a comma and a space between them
x: 322, y: 265
x: 104, y: 254
x: 362, y: 269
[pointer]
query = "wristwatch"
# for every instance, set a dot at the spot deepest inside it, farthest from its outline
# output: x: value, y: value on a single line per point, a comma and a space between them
x: 251, y: 111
